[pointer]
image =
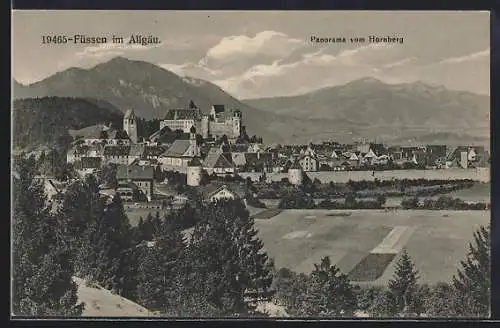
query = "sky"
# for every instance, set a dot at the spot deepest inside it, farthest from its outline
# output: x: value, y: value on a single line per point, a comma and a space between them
x: 256, y: 54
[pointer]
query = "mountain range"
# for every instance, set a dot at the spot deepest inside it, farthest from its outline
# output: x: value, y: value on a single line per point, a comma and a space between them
x: 363, y: 108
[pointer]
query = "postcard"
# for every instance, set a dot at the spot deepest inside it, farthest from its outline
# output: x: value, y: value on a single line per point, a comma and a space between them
x: 258, y: 164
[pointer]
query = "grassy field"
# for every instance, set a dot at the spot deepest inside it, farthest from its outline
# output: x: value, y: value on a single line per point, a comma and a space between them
x: 435, y: 240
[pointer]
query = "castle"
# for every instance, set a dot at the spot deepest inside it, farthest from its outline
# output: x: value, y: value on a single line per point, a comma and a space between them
x: 220, y: 121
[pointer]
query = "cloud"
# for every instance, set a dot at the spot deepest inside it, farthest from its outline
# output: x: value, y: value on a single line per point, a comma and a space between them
x: 312, y: 70
x: 240, y: 47
x: 484, y: 54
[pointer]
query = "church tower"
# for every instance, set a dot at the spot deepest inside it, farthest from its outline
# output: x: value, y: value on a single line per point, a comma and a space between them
x: 236, y: 123
x: 130, y: 125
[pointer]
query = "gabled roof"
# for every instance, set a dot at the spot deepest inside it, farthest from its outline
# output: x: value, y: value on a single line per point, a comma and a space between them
x: 215, y: 187
x: 154, y: 150
x: 238, y: 148
x: 116, y: 150
x: 178, y: 149
x: 212, y: 157
x: 134, y: 172
x: 223, y: 162
x: 137, y: 150
x: 182, y: 114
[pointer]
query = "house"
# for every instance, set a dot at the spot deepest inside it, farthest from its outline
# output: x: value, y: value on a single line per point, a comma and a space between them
x: 407, y: 151
x: 308, y: 160
x: 153, y: 152
x: 370, y: 156
x: 239, y: 160
x: 136, y: 153
x: 141, y: 176
x: 259, y: 162
x: 217, y: 163
x: 435, y: 153
x: 180, y: 153
x: 88, y: 165
x: 281, y: 164
x: 116, y: 154
x: 255, y: 148
x: 395, y: 153
x: 419, y: 157
x: 127, y: 190
x: 77, y: 152
x: 217, y: 192
x: 378, y: 149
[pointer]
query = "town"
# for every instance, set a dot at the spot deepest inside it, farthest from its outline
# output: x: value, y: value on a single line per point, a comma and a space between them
x: 213, y: 144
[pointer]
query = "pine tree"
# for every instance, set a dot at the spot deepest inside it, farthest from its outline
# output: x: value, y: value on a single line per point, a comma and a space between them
x: 404, y: 285
x: 42, y: 269
x: 226, y: 258
x: 159, y: 270
x: 329, y: 293
x: 473, y: 280
x: 440, y: 301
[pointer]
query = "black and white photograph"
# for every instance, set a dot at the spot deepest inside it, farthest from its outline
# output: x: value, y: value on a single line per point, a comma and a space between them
x: 250, y: 164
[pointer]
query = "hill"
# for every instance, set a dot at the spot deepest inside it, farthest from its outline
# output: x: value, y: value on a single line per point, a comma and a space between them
x: 388, y: 111
x: 46, y: 121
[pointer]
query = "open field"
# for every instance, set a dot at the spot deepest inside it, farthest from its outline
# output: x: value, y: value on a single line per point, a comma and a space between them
x: 435, y: 240
x: 267, y: 213
x: 480, y: 174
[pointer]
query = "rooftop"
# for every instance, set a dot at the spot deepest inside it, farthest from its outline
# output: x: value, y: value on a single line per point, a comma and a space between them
x: 134, y: 172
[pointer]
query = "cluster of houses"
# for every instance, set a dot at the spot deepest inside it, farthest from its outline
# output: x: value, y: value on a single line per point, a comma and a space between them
x: 191, y: 154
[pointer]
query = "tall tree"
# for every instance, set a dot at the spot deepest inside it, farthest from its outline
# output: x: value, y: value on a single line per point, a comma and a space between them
x: 226, y: 258
x: 404, y: 284
x: 42, y: 270
x: 159, y: 270
x: 473, y: 280
x: 329, y: 293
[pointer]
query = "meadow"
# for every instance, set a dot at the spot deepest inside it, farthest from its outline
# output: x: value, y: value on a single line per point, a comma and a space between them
x: 436, y: 240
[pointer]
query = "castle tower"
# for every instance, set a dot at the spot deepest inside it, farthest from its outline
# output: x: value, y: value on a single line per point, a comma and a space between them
x: 295, y: 175
x: 236, y: 123
x: 130, y: 125
x: 192, y: 140
x: 194, y: 172
x: 205, y: 130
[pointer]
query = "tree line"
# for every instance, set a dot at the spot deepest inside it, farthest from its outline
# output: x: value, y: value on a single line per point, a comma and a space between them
x: 89, y: 236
